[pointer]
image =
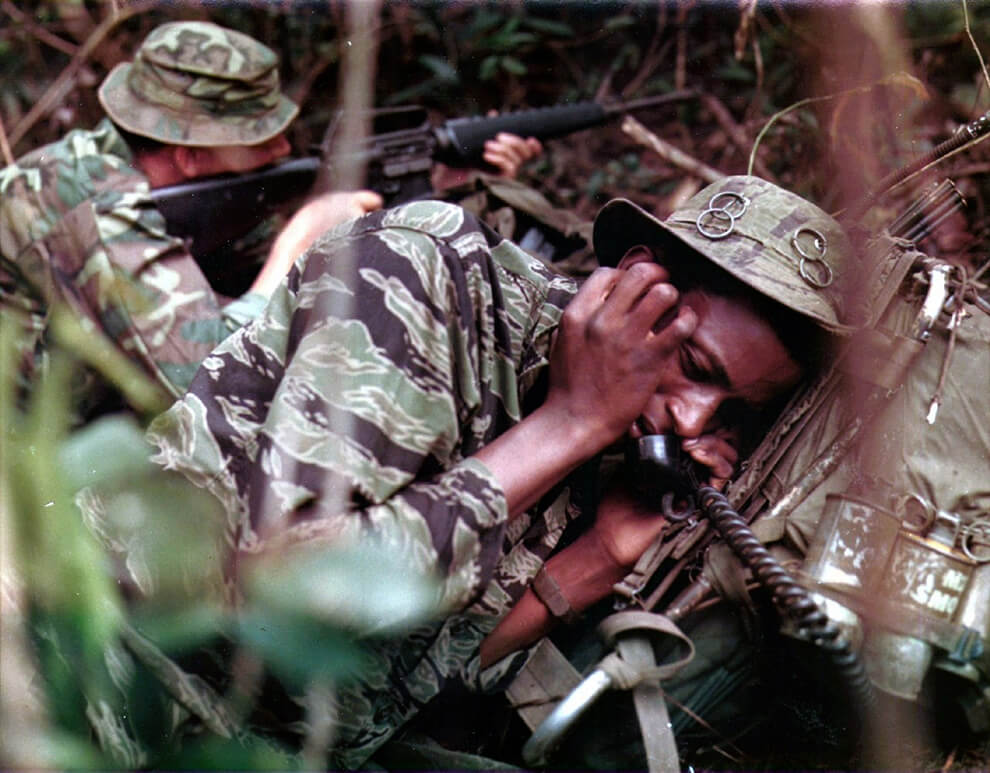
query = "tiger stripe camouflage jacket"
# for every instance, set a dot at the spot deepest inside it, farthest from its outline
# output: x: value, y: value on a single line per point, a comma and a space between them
x: 399, y: 345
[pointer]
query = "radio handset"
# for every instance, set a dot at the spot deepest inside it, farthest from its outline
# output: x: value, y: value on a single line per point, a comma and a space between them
x: 663, y: 473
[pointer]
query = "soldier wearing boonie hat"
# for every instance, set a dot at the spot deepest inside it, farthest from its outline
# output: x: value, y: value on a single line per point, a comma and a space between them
x: 774, y: 241
x: 199, y: 84
x: 194, y: 91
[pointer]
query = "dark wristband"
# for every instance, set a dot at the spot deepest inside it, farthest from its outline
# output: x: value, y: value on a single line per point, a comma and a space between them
x: 548, y: 591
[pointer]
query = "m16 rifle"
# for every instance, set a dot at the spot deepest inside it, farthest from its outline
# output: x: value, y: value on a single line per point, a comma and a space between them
x: 398, y: 158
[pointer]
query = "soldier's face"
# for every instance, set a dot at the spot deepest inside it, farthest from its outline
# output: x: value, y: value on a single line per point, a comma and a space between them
x: 733, y: 361
x: 241, y: 158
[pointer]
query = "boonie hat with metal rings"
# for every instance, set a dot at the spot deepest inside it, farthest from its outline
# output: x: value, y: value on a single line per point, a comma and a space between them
x: 773, y: 240
x: 199, y: 84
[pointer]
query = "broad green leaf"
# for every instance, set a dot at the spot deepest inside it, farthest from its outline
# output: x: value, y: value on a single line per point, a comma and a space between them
x: 212, y: 753
x: 440, y: 67
x: 513, y: 65
x: 109, y: 448
x: 181, y: 627
x: 488, y: 68
x: 299, y: 648
x: 548, y: 26
x: 364, y: 589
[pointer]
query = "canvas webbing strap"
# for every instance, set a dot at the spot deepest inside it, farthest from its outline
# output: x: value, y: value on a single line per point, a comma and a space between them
x: 631, y: 666
x: 633, y: 583
x: 635, y: 667
x: 543, y: 682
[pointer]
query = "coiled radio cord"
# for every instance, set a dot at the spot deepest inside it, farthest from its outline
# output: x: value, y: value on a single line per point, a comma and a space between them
x: 790, y: 598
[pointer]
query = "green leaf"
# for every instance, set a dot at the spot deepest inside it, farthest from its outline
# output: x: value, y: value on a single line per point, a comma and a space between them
x: 181, y: 627
x: 512, y: 65
x: 736, y: 72
x: 485, y: 19
x: 300, y: 649
x: 488, y: 68
x: 440, y: 67
x: 244, y: 753
x: 619, y: 22
x: 430, y: 87
x: 512, y: 41
x: 549, y: 26
x: 110, y: 448
x: 365, y: 588
x: 165, y: 533
x: 61, y: 750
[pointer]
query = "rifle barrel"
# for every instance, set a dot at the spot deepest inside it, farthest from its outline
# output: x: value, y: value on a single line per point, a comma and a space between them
x: 462, y: 140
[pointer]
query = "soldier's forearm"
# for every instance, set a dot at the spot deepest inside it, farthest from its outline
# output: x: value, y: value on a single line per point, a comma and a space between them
x: 585, y: 574
x: 536, y: 454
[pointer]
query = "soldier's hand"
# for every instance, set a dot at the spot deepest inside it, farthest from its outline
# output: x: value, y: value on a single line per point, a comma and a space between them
x: 310, y: 221
x: 625, y: 525
x: 718, y: 450
x: 505, y: 152
x: 508, y: 152
x: 613, y: 346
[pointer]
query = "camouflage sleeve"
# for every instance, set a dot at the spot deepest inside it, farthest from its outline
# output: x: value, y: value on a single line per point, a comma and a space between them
x: 351, y: 409
x: 77, y: 227
x: 164, y: 307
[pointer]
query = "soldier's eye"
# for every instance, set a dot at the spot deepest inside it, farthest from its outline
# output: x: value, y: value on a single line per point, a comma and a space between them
x: 692, y: 365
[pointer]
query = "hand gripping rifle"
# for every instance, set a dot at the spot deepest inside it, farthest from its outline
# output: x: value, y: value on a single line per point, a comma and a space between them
x: 398, y: 157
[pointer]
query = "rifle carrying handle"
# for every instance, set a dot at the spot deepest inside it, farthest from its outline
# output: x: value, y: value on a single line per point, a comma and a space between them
x: 462, y: 140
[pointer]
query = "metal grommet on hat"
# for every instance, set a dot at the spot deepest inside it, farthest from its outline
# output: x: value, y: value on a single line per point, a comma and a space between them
x: 769, y: 238
x: 824, y: 275
x: 719, y: 219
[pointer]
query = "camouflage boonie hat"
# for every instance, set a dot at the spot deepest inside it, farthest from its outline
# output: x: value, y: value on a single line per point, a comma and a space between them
x: 196, y: 83
x: 771, y: 239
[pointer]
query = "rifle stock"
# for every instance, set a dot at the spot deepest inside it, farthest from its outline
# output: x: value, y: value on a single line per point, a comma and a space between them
x: 398, y: 157
x: 215, y: 212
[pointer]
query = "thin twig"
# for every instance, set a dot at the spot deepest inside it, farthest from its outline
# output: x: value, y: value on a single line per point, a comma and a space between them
x: 651, y: 60
x: 8, y: 157
x: 972, y: 169
x: 949, y: 761
x: 37, y: 30
x: 981, y: 271
x: 61, y: 85
x: 668, y: 152
x: 747, y: 10
x: 811, y: 100
x: 735, y: 132
x: 753, y: 108
x: 976, y: 48
x: 680, y: 65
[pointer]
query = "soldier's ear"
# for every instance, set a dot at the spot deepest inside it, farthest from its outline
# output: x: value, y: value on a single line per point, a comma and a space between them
x: 638, y: 254
x: 192, y: 162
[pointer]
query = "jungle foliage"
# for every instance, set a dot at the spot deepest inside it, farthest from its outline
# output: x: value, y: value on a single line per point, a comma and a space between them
x: 838, y: 95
